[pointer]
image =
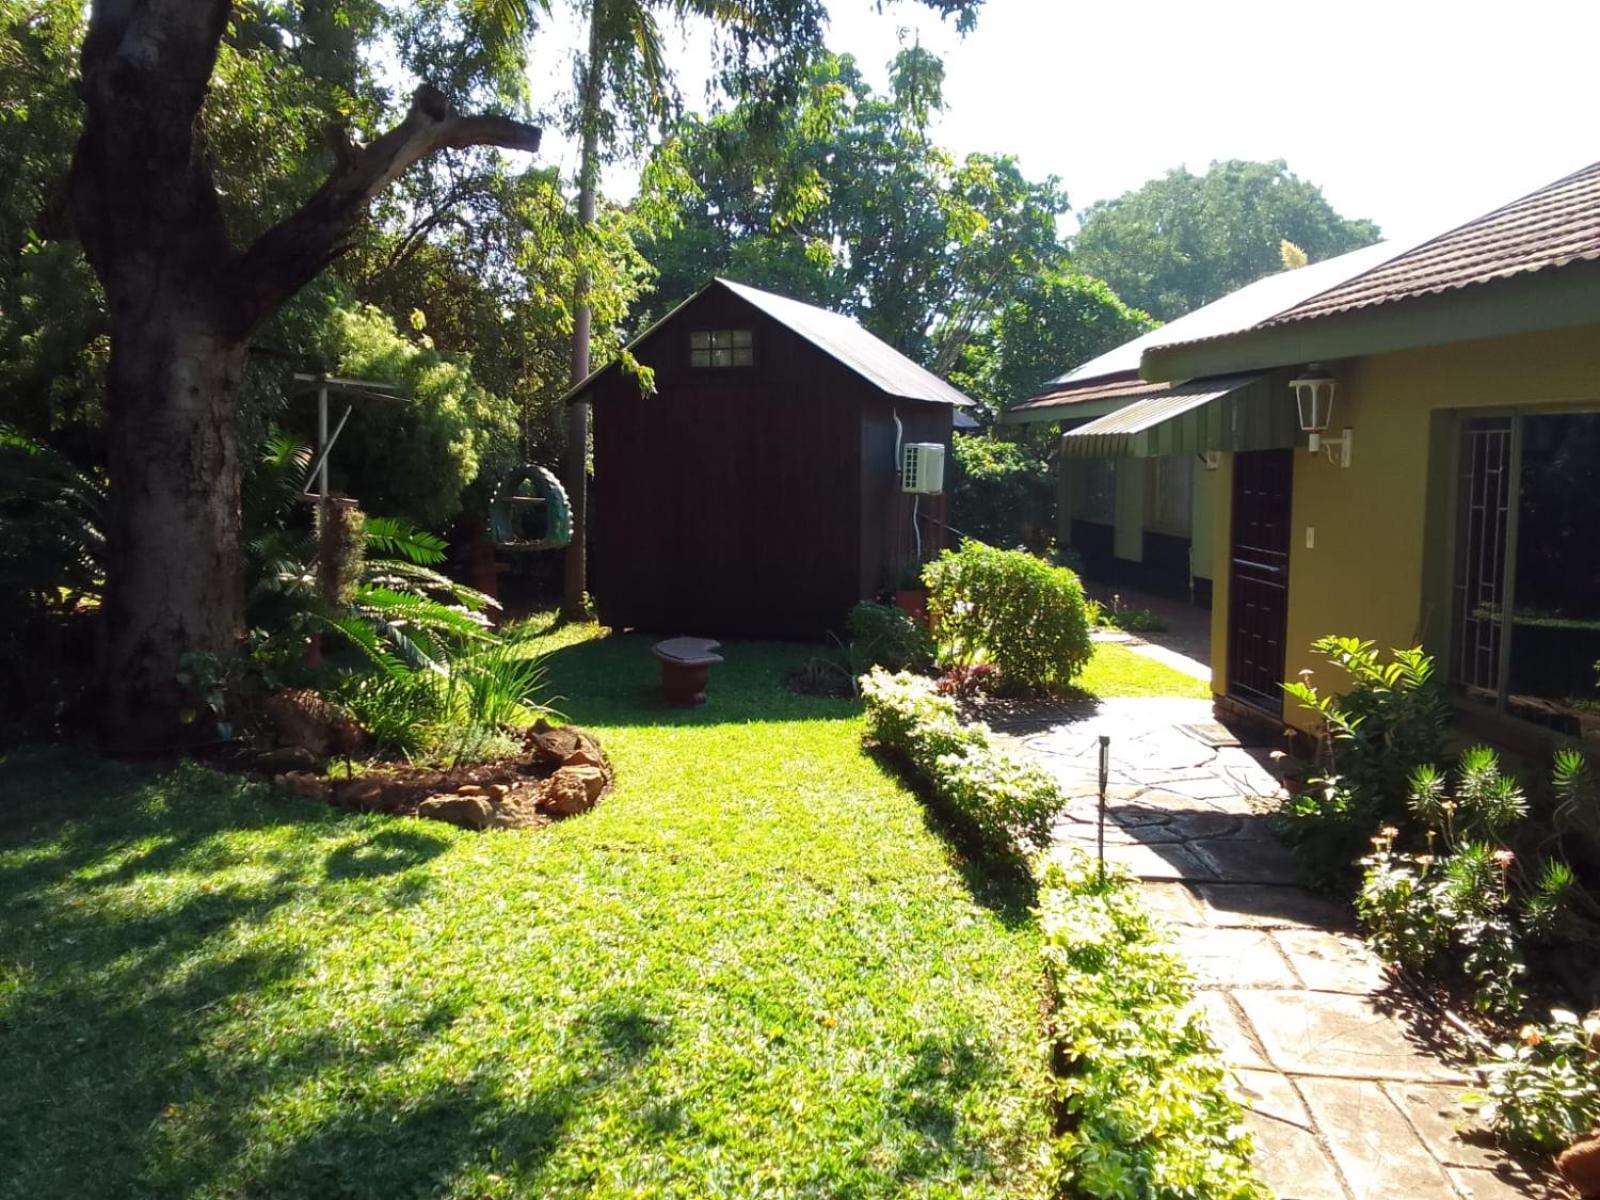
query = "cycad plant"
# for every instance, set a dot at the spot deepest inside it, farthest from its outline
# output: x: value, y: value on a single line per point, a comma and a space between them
x: 52, y: 526
x: 1459, y: 897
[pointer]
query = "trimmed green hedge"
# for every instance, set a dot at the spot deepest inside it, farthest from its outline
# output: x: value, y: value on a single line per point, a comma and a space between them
x: 1012, y: 610
x: 1141, y: 1093
x: 1143, y: 1097
x: 1008, y: 803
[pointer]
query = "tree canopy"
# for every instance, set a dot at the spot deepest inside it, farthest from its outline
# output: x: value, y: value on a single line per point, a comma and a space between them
x: 856, y: 208
x: 1184, y: 240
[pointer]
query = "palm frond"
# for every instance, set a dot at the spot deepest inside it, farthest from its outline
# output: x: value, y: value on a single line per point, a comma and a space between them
x: 390, y: 535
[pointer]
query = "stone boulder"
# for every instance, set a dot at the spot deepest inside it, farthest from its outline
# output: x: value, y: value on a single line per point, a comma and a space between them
x: 469, y: 812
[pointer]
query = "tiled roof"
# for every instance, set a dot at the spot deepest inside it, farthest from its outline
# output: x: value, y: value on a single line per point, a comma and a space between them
x: 1549, y: 228
x: 1123, y: 386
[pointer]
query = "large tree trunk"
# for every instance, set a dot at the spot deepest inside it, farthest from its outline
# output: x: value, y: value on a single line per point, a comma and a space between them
x: 175, y: 584
x: 183, y: 302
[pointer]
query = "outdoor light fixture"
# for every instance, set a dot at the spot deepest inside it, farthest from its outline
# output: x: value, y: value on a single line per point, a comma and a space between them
x: 1313, y: 396
x: 1210, y: 460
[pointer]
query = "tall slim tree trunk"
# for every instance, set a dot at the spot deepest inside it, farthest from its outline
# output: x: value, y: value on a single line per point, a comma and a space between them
x: 175, y: 585
x: 575, y: 581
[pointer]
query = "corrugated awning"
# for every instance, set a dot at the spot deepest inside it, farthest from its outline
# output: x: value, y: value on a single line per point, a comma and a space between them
x: 1230, y: 412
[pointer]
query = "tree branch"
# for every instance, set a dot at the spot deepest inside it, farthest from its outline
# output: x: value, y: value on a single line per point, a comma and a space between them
x: 290, y: 254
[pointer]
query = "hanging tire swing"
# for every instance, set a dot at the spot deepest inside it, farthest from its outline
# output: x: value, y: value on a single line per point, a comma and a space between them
x: 530, y: 511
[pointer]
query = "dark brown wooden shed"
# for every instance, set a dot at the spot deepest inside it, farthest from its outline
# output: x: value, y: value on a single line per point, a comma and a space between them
x: 756, y: 491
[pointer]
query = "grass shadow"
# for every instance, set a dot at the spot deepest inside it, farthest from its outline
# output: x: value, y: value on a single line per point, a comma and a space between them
x: 387, y: 852
x: 999, y: 882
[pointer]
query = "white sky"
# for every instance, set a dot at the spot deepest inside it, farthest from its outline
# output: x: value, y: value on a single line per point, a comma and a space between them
x: 1416, y: 113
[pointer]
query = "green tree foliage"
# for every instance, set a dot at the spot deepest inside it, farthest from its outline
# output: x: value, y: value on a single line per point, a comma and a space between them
x: 1003, y: 493
x: 414, y: 456
x: 482, y: 256
x: 1184, y: 240
x: 857, y: 209
x: 1054, y: 323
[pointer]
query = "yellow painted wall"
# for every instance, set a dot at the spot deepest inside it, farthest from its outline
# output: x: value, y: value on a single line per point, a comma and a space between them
x: 1365, y: 574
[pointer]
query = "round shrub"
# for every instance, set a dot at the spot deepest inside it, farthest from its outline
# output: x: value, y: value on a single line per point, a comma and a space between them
x: 1026, y: 618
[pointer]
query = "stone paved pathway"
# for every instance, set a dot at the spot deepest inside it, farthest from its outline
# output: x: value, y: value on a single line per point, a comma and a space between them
x: 1344, y: 1104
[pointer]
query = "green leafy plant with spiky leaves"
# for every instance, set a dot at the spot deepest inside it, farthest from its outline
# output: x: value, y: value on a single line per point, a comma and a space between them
x: 1459, y: 902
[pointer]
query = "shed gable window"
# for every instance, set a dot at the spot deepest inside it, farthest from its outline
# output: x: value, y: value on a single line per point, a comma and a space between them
x: 721, y: 348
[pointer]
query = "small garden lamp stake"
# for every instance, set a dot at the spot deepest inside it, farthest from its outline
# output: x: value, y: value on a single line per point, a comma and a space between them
x: 1100, y: 831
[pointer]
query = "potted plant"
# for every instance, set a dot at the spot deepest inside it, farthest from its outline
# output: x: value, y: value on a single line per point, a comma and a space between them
x: 910, y: 594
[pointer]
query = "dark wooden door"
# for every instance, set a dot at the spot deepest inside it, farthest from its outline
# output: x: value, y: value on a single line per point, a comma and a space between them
x: 1258, y: 583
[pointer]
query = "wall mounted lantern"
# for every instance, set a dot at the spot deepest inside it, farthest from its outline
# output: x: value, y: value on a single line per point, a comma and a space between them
x: 1313, y: 396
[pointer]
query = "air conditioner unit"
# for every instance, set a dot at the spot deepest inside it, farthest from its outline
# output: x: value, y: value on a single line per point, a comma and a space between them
x: 923, y: 470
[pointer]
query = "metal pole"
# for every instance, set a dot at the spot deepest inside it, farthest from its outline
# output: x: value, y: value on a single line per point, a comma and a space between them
x: 322, y: 438
x: 1105, y: 771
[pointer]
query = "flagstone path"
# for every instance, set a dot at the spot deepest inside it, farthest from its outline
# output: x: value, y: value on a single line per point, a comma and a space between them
x: 1345, y: 1103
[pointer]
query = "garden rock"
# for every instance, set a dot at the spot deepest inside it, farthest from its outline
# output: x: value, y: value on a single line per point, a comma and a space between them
x: 304, y: 783
x: 285, y: 759
x: 305, y: 721
x: 552, y: 746
x: 1579, y: 1165
x: 573, y: 790
x: 562, y: 773
x: 364, y: 795
x: 469, y: 812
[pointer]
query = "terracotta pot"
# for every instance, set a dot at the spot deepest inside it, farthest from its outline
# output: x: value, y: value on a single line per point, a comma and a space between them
x: 914, y: 603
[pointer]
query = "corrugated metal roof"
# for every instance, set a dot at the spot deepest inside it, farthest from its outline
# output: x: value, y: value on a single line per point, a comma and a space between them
x: 1120, y: 434
x: 846, y: 341
x: 835, y: 334
x: 1548, y: 228
x: 1233, y: 313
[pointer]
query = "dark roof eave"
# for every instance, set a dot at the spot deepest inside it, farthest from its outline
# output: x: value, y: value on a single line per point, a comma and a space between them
x: 1560, y: 298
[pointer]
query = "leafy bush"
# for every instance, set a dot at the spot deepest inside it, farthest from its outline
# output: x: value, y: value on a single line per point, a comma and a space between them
x: 1001, y: 493
x: 1015, y: 611
x: 883, y: 636
x: 1375, y: 736
x: 1007, y: 802
x: 1131, y: 620
x: 1459, y: 907
x: 1542, y: 1092
x: 1144, y: 1103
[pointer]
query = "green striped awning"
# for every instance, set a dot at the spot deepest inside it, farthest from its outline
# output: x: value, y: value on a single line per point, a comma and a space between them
x: 1230, y: 412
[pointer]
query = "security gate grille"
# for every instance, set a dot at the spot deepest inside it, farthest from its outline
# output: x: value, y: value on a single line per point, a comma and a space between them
x: 1480, y: 575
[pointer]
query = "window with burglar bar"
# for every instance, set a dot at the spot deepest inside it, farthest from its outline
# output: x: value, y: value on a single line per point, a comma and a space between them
x: 721, y: 348
x: 1525, y: 633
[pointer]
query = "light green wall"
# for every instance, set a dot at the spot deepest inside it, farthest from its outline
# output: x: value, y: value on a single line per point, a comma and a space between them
x: 1375, y: 552
x: 1128, y: 535
x: 1204, y: 513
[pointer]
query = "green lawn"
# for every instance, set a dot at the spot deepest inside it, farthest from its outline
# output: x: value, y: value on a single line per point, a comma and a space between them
x: 1116, y: 670
x: 755, y: 970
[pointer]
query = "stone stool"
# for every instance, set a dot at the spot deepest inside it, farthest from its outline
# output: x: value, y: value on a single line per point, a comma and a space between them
x: 686, y: 668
